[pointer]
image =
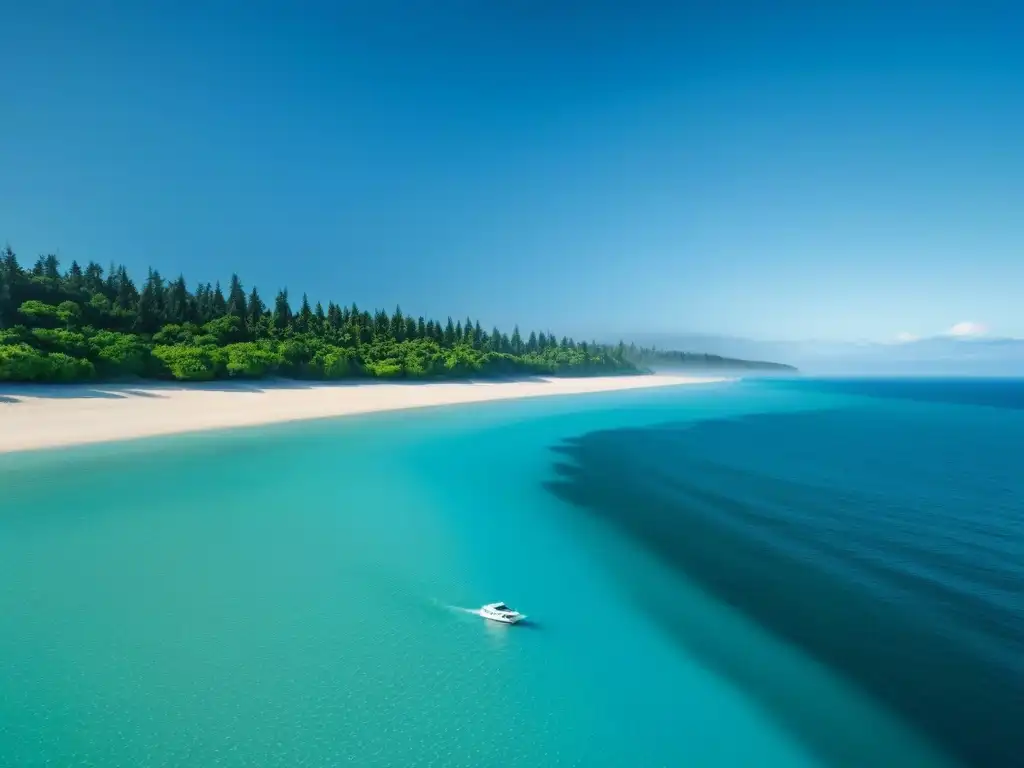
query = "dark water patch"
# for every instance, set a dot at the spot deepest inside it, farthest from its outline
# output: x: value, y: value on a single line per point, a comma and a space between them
x: 871, y: 545
x: 992, y: 393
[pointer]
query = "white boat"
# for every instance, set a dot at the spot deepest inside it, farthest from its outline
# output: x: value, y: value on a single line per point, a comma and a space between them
x: 501, y: 612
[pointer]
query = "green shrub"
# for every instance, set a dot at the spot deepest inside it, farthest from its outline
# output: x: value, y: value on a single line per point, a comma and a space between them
x: 188, y: 363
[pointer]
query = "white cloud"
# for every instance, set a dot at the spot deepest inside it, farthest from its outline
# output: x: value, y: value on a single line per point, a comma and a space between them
x: 903, y: 337
x: 967, y: 330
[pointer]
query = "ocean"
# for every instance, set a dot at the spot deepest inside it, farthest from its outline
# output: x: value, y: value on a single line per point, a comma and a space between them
x: 756, y: 573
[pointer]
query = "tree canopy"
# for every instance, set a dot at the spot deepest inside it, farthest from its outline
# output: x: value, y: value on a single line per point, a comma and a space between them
x: 86, y: 322
x: 672, y: 360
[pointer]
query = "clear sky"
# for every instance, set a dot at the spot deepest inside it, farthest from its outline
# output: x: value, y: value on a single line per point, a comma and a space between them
x: 773, y: 170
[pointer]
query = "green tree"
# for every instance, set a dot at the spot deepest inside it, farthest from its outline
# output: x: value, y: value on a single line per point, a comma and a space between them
x: 51, y: 268
x: 69, y: 312
x: 127, y: 295
x: 397, y: 326
x: 176, y: 308
x: 251, y: 360
x: 282, y: 312
x: 92, y: 282
x: 304, y: 320
x: 149, y: 308
x: 188, y: 363
x: 75, y: 278
x: 90, y: 322
x: 39, y: 313
x: 335, y: 317
x: 6, y: 301
x: 218, y: 303
x: 20, y: 362
x: 516, y: 342
x: 11, y: 269
x: 236, y: 306
x: 254, y: 310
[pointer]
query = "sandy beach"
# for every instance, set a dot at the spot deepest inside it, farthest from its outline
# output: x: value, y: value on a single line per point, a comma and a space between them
x: 34, y: 417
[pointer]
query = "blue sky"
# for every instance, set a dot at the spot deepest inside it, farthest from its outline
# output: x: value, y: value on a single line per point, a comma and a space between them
x: 776, y: 171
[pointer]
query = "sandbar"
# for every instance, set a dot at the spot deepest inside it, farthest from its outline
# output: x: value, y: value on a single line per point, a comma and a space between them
x: 49, y: 416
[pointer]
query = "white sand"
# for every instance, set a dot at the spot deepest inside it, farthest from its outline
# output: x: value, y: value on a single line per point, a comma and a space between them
x: 48, y: 416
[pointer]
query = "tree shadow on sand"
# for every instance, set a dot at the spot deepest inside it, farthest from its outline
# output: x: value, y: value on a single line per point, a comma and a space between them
x: 156, y: 389
x: 16, y: 393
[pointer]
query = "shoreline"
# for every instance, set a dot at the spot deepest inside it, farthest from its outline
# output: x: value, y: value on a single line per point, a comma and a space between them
x: 35, y: 417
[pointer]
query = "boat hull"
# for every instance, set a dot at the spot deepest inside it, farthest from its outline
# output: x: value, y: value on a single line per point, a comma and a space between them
x: 501, y: 619
x: 516, y: 620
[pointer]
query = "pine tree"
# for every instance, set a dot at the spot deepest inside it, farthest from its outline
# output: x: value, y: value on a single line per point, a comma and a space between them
x: 319, y: 318
x: 176, y: 308
x: 6, y: 301
x: 282, y: 312
x: 51, y: 268
x: 219, y: 304
x: 254, y: 310
x: 397, y: 328
x: 111, y: 289
x: 11, y: 267
x: 93, y: 278
x: 204, y: 303
x: 236, y: 299
x: 147, y: 316
x: 381, y: 324
x: 74, y: 279
x: 334, y: 316
x: 127, y: 294
x: 159, y: 296
x: 516, y: 341
x: 304, y: 320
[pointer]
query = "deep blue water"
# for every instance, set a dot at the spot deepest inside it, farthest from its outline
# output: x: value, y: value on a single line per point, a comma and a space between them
x: 881, y: 534
x: 791, y: 573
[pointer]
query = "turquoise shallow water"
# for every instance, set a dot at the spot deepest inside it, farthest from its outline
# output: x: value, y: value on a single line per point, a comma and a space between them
x: 716, y: 576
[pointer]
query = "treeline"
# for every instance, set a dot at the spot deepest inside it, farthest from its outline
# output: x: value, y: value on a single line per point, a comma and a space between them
x: 85, y: 323
x: 649, y: 358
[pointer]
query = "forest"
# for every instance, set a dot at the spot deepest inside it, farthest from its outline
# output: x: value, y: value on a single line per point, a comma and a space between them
x: 87, y: 323
x: 670, y: 360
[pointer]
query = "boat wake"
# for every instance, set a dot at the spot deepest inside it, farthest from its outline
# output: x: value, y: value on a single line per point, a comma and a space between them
x: 460, y: 609
x: 456, y: 608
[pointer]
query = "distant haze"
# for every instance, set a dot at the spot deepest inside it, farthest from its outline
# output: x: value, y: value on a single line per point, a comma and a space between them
x: 936, y: 356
